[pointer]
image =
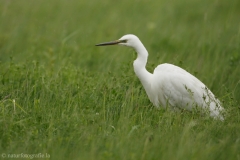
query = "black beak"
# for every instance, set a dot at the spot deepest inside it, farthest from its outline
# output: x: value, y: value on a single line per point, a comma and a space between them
x: 108, y: 43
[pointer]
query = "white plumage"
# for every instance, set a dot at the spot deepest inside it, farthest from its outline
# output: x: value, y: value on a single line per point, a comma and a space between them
x: 169, y: 85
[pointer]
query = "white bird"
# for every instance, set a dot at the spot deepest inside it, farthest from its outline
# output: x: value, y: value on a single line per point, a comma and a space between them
x: 169, y: 85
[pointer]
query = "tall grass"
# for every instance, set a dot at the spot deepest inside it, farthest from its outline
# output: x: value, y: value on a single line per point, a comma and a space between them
x: 62, y: 96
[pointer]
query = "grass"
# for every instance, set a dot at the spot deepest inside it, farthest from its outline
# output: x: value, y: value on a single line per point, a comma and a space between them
x: 61, y: 95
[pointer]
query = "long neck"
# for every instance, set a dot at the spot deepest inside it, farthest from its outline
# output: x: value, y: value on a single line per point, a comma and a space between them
x: 140, y: 66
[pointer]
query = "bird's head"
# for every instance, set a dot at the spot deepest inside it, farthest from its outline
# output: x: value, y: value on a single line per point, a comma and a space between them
x: 126, y: 40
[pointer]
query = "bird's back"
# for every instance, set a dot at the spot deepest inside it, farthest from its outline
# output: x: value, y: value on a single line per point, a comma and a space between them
x: 173, y: 86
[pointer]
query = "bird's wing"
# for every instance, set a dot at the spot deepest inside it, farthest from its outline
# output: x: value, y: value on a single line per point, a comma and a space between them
x: 174, y: 87
x: 177, y: 88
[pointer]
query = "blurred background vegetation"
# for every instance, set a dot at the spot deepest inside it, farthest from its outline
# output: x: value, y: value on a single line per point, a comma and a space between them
x: 202, y: 36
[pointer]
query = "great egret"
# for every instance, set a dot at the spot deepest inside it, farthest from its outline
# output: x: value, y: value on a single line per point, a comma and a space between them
x: 169, y: 85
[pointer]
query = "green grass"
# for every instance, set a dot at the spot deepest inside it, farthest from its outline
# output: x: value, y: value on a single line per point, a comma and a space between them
x: 61, y: 95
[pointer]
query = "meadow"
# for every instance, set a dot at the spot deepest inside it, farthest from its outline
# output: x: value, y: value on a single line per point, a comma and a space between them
x: 61, y: 96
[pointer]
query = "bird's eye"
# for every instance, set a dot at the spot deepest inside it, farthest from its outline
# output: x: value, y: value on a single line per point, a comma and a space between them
x: 124, y: 41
